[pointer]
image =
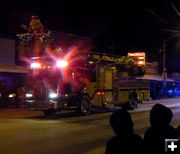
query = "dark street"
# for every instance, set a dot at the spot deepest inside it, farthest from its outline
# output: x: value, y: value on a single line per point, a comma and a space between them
x: 27, y: 131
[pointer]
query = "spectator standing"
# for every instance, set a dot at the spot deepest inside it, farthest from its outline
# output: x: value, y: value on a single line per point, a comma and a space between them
x: 160, y: 129
x: 125, y: 140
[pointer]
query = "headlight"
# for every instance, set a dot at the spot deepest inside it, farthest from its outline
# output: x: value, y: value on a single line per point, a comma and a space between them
x: 12, y: 95
x: 29, y: 95
x: 53, y: 95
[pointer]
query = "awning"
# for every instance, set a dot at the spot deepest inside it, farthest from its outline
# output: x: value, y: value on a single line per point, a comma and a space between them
x: 10, y: 68
x: 154, y: 78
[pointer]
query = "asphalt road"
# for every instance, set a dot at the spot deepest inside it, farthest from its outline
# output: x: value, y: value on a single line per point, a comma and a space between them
x: 30, y: 132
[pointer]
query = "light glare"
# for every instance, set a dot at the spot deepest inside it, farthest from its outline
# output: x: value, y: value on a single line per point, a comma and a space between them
x: 28, y: 95
x: 53, y: 95
x: 35, y: 65
x: 61, y: 63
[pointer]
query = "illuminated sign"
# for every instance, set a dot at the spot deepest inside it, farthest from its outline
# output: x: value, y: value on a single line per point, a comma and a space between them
x: 106, y: 58
x: 139, y: 57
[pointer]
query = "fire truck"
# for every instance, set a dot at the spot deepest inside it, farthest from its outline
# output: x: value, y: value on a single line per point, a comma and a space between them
x: 80, y: 82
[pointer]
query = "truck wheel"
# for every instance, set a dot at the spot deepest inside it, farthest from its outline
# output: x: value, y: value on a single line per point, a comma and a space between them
x: 84, y: 106
x: 49, y: 112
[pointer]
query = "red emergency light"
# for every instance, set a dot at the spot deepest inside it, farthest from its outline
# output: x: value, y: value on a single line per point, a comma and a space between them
x: 100, y: 93
x: 61, y: 63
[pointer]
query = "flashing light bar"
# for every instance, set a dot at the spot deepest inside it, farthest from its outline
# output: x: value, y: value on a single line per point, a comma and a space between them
x: 35, y: 65
x: 61, y: 63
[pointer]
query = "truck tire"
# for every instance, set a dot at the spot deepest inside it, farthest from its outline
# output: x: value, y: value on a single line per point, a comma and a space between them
x: 49, y: 112
x: 84, y: 105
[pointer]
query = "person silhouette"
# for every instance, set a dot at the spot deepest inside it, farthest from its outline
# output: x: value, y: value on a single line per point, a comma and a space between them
x: 160, y: 129
x: 125, y: 140
x: 133, y: 98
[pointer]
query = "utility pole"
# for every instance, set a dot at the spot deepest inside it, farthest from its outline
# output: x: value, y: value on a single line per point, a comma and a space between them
x: 164, y: 64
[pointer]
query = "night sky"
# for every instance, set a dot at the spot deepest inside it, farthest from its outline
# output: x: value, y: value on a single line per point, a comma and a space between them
x: 116, y: 27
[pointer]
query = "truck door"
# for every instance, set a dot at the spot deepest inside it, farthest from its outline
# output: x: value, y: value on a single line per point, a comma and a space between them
x: 104, y: 86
